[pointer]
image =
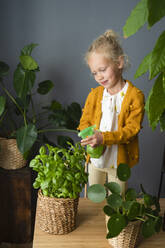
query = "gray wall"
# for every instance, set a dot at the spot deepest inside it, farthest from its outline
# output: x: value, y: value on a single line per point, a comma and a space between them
x: 64, y: 29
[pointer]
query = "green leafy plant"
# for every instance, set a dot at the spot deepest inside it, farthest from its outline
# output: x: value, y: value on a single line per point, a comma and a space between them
x: 60, y: 171
x: 19, y: 117
x: 151, y: 11
x: 127, y: 207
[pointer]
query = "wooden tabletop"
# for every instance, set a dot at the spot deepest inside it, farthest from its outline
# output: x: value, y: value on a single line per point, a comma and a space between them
x: 90, y: 231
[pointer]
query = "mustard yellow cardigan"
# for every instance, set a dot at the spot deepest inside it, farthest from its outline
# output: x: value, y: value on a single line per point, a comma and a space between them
x: 129, y: 122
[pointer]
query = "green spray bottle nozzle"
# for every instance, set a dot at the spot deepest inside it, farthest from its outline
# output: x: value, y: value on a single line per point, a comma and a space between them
x: 87, y: 132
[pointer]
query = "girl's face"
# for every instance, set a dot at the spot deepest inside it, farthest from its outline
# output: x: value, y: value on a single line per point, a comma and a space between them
x: 106, y: 73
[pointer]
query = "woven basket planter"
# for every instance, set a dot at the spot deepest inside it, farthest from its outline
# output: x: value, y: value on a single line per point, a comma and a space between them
x: 10, y: 156
x: 56, y: 215
x: 129, y: 236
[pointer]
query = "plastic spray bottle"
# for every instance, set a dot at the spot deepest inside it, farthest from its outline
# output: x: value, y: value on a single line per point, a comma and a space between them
x: 94, y: 152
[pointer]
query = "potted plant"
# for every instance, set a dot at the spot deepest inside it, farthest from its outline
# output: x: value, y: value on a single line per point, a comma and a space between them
x: 60, y: 179
x: 20, y: 121
x: 127, y: 213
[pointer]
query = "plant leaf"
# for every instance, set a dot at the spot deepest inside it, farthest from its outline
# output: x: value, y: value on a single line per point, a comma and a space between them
x: 144, y: 66
x: 108, y: 210
x: 134, y: 210
x: 28, y: 63
x: 96, y: 193
x: 137, y: 19
x: 4, y: 69
x: 19, y: 82
x: 123, y: 172
x: 44, y: 87
x: 148, y: 200
x: 148, y: 228
x: 130, y: 194
x: 73, y: 115
x: 158, y: 224
x: 115, y: 225
x: 156, y: 10
x: 158, y: 57
x: 23, y: 82
x: 114, y: 200
x: 2, y: 104
x: 27, y: 50
x: 113, y: 187
x: 162, y: 122
x: 26, y: 136
x: 156, y: 102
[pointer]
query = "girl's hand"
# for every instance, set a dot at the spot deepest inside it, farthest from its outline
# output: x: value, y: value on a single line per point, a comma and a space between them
x: 94, y: 140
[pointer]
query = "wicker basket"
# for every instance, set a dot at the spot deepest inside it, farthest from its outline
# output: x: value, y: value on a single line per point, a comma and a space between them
x: 10, y: 156
x: 56, y: 215
x: 129, y: 236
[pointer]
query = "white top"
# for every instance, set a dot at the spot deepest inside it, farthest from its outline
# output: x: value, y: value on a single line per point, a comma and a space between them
x: 111, y: 107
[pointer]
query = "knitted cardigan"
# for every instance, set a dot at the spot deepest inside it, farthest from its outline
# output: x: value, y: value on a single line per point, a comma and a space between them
x: 129, y: 122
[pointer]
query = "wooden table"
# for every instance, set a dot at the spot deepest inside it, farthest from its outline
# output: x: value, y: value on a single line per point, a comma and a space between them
x: 90, y: 231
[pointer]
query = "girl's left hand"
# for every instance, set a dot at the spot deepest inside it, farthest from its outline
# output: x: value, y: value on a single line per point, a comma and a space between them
x: 94, y: 140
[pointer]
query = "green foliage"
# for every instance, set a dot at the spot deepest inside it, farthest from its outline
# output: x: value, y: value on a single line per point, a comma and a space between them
x: 29, y: 128
x: 126, y: 208
x: 60, y: 171
x: 151, y: 11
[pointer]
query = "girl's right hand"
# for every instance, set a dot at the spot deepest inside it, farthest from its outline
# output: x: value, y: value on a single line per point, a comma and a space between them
x: 94, y: 140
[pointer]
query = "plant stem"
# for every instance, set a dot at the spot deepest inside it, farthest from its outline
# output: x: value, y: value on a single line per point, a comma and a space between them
x: 155, y: 217
x: 138, y: 218
x: 57, y: 130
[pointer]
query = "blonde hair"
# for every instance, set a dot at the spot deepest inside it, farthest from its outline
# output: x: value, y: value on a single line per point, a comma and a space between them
x: 108, y: 44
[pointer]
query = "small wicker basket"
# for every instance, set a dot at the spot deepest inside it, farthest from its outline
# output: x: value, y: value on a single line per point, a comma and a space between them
x: 56, y: 215
x: 10, y: 156
x: 129, y: 236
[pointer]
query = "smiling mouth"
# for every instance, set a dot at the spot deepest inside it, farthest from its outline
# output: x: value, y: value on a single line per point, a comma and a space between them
x: 104, y: 82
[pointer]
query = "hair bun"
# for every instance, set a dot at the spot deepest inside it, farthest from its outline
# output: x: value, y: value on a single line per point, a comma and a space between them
x: 110, y: 34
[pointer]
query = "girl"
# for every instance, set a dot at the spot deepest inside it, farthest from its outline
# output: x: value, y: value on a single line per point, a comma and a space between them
x: 116, y: 107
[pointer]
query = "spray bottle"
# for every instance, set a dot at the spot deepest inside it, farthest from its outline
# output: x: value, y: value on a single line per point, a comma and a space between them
x: 94, y: 152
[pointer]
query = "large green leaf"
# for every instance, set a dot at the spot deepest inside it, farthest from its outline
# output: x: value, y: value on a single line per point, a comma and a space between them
x: 113, y: 187
x: 2, y: 104
x: 108, y: 210
x: 96, y: 193
x: 44, y: 87
x: 162, y: 122
x: 144, y: 66
x: 4, y: 69
x: 156, y: 102
x: 19, y: 82
x: 133, y: 210
x: 23, y: 81
x: 157, y: 64
x: 156, y: 10
x: 114, y: 200
x: 27, y: 50
x: 130, y: 194
x: 123, y: 172
x: 115, y: 225
x: 148, y: 228
x: 137, y: 19
x: 164, y: 80
x: 28, y: 63
x: 26, y: 136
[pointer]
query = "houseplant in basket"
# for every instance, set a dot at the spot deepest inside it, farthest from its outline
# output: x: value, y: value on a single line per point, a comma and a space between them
x: 20, y: 120
x: 129, y: 213
x: 60, y: 179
